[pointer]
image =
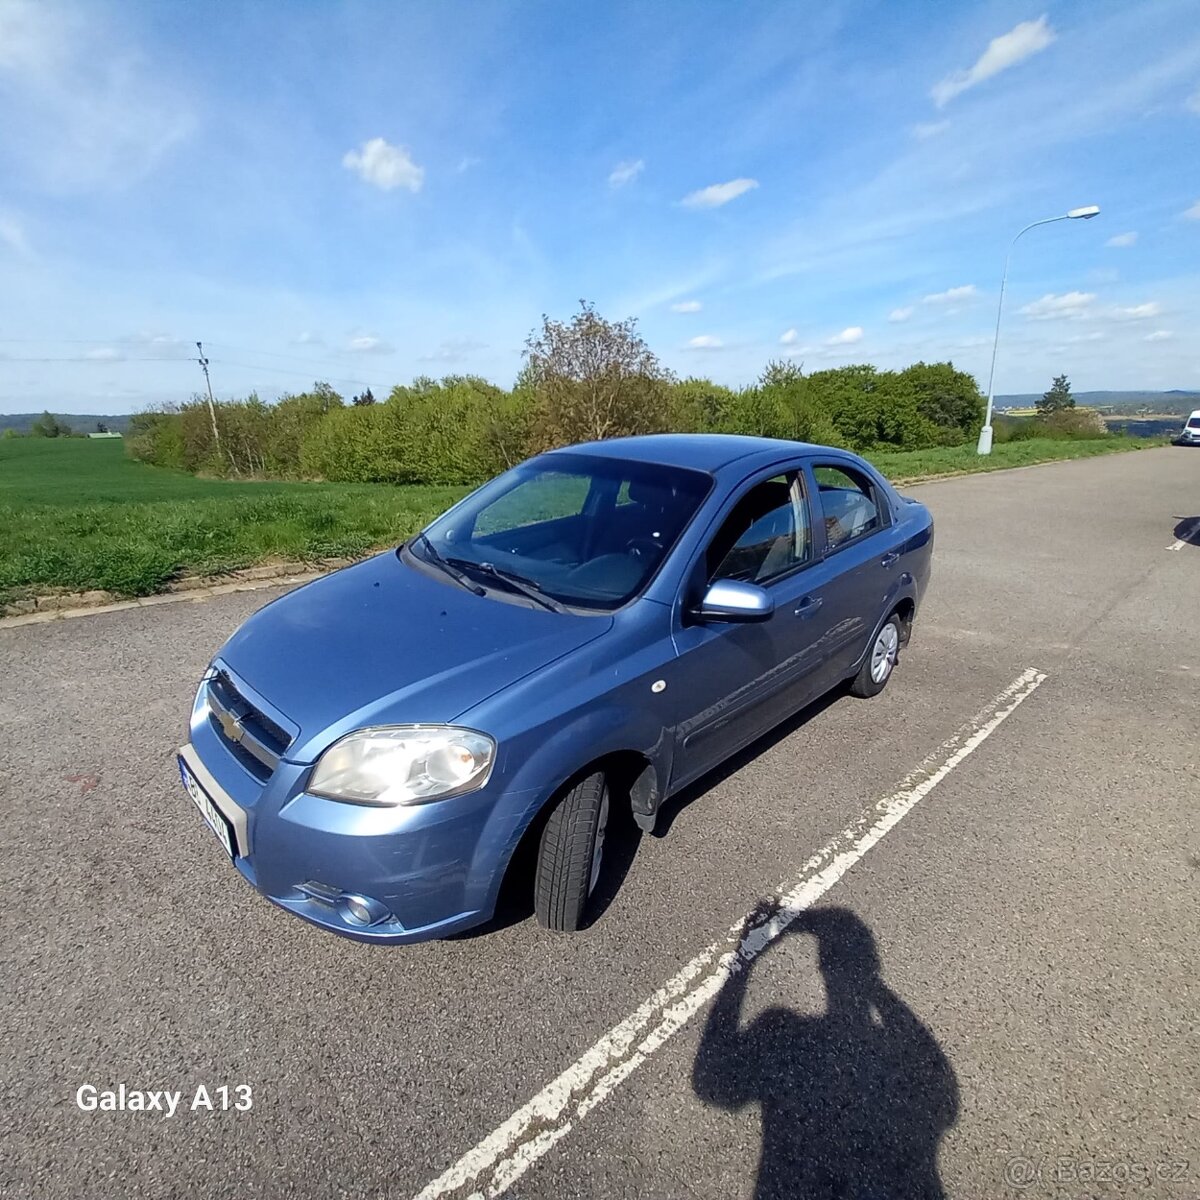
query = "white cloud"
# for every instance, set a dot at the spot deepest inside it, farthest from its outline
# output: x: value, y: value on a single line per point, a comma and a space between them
x: 368, y: 343
x: 1122, y: 239
x: 687, y: 306
x: 705, y: 342
x: 161, y: 345
x: 847, y: 337
x: 1051, y: 307
x: 104, y: 354
x: 385, y: 166
x: 798, y: 352
x: 924, y: 130
x: 1159, y: 335
x: 84, y: 107
x: 467, y: 162
x: 900, y: 314
x: 954, y: 295
x: 12, y: 235
x: 1193, y: 213
x: 789, y: 338
x: 625, y: 172
x: 1018, y: 44
x: 1137, y: 312
x: 454, y: 350
x: 718, y: 193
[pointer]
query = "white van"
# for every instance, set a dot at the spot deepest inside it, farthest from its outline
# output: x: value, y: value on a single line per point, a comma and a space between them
x: 1189, y: 435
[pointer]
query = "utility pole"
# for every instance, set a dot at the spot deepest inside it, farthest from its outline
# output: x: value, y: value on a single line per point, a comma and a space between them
x: 212, y: 408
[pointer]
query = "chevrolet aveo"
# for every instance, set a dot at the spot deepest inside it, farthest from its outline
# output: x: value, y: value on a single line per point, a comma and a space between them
x: 602, y: 624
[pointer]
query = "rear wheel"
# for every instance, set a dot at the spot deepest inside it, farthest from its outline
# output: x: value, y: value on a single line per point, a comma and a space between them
x: 877, y: 666
x: 571, y: 854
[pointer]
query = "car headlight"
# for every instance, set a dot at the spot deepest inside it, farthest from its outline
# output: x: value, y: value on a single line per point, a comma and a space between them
x: 403, y: 764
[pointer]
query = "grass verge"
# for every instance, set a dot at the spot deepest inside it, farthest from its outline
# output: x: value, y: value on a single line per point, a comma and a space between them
x: 906, y: 466
x: 80, y: 515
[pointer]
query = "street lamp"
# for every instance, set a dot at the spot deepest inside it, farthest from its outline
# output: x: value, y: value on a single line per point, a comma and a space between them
x: 1076, y: 214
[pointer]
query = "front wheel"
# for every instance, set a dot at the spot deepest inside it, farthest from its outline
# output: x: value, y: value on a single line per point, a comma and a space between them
x: 877, y: 666
x: 570, y: 854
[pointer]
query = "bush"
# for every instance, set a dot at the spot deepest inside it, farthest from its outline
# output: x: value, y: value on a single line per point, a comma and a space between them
x: 1072, y: 424
x: 697, y: 405
x: 461, y: 430
x: 156, y: 438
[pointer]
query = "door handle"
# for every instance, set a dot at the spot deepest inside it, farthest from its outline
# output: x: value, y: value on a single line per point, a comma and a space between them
x: 808, y: 606
x: 888, y: 559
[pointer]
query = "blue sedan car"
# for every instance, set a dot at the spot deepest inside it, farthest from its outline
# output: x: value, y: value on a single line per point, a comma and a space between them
x: 600, y: 625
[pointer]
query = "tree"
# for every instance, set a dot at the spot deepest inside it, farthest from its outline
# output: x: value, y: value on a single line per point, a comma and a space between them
x: 593, y: 379
x: 949, y: 398
x: 364, y: 400
x: 101, y: 427
x: 47, y: 425
x: 1057, y: 398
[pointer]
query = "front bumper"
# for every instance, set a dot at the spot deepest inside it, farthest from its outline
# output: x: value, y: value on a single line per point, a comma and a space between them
x: 433, y: 869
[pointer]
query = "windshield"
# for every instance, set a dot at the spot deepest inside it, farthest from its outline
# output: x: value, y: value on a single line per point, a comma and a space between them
x: 575, y: 529
x: 1193, y: 423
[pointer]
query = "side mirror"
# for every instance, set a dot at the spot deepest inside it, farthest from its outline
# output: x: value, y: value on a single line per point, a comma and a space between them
x: 732, y: 600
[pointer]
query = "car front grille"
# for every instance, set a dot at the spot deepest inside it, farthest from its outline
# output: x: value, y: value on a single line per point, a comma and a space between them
x: 251, y: 736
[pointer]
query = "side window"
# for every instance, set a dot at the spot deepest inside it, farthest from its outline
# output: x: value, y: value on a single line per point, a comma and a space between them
x: 847, y: 504
x: 766, y: 535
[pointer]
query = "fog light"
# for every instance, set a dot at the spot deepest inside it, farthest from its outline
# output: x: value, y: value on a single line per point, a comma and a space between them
x: 360, y: 910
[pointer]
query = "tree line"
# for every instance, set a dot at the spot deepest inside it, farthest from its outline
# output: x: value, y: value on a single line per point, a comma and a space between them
x: 582, y: 379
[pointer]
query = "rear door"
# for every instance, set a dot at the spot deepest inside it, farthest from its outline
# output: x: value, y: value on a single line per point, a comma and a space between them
x: 855, y: 533
x: 738, y: 680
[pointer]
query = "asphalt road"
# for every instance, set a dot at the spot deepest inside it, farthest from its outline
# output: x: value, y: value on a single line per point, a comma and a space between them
x: 999, y: 999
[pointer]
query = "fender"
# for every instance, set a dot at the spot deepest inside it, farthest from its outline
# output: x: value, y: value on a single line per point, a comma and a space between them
x: 905, y: 588
x: 554, y: 763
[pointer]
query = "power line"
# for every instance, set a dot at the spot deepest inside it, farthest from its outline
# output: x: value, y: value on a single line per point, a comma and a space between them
x: 83, y: 358
x: 228, y: 362
x: 328, y: 356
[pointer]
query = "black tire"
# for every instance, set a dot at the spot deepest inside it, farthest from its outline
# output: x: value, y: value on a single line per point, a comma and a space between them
x: 866, y: 684
x: 563, y: 881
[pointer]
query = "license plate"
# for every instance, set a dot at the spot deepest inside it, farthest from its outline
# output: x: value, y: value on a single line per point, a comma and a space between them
x: 213, y: 817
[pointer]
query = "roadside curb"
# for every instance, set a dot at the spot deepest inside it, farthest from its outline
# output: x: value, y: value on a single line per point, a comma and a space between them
x: 85, y: 604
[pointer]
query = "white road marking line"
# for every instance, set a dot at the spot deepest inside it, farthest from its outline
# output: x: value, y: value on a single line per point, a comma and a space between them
x: 498, y: 1161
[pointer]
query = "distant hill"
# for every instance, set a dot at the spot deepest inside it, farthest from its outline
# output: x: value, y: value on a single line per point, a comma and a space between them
x: 1178, y: 402
x: 79, y: 422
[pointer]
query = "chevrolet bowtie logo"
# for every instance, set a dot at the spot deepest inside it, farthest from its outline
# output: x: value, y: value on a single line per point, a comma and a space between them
x: 231, y: 726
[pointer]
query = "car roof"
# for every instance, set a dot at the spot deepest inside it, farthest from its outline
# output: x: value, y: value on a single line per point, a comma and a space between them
x: 698, y: 451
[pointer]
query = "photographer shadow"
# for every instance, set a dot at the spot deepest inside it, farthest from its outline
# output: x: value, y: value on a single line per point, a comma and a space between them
x: 854, y: 1101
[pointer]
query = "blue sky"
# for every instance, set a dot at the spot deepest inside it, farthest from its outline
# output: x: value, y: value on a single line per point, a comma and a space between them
x: 367, y: 192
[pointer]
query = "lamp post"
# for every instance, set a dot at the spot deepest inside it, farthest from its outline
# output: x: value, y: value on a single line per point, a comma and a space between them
x: 1076, y: 214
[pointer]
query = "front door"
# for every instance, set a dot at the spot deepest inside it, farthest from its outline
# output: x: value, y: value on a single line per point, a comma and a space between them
x: 737, y: 680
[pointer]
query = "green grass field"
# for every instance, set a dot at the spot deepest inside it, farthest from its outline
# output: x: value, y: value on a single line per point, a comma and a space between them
x: 79, y: 514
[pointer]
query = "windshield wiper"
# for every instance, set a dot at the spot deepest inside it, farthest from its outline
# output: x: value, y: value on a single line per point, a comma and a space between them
x: 519, y: 583
x: 434, y: 558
